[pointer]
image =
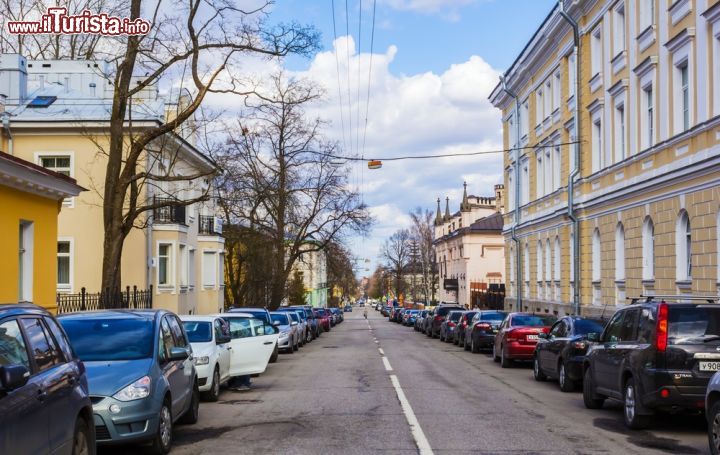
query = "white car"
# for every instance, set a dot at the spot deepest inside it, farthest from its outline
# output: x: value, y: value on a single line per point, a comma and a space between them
x: 289, y: 338
x: 210, y: 340
x: 252, y: 342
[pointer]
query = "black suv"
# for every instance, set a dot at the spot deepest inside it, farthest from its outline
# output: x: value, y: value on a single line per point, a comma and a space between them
x: 44, y: 401
x: 438, y: 316
x: 656, y: 354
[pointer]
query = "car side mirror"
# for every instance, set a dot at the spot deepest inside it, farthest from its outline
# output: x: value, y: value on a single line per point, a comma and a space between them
x: 223, y: 339
x: 178, y: 353
x: 593, y: 336
x: 271, y: 330
x: 13, y: 377
x: 293, y: 323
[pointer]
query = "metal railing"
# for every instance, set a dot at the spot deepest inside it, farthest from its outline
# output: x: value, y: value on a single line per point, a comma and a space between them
x: 85, y: 301
x: 168, y: 214
x: 207, y: 225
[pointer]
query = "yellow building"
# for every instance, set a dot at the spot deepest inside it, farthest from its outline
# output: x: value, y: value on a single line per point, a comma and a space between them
x: 30, y: 197
x: 58, y: 118
x: 634, y: 206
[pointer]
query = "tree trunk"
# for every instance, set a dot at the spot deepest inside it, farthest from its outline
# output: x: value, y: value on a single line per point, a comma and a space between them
x: 111, y: 265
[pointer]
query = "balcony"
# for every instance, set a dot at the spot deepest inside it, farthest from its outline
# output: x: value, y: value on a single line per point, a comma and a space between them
x: 209, y: 225
x: 169, y: 214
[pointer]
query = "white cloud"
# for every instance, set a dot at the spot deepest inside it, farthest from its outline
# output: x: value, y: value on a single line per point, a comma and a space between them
x: 448, y: 9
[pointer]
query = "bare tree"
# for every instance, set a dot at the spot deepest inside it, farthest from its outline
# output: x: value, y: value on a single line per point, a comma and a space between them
x: 281, y: 179
x: 396, y: 254
x: 421, y: 232
x: 340, y: 271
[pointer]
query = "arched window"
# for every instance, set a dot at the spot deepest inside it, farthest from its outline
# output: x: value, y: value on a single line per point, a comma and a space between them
x: 548, y: 261
x: 648, y: 249
x: 596, y: 255
x: 539, y: 261
x: 556, y: 269
x: 619, y: 252
x: 683, y: 249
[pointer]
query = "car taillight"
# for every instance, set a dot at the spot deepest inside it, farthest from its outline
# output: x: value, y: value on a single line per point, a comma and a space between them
x: 511, y: 336
x: 661, y: 332
x: 580, y: 345
x: 451, y: 324
x: 482, y: 326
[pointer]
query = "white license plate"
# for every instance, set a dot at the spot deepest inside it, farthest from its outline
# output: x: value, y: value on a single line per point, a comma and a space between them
x: 531, y: 337
x: 709, y: 366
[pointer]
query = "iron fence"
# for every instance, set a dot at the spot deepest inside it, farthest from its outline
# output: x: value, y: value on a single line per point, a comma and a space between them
x: 168, y: 214
x: 87, y: 301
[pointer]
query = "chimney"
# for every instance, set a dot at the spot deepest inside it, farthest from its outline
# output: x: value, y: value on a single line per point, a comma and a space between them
x: 13, y: 78
x: 500, y: 198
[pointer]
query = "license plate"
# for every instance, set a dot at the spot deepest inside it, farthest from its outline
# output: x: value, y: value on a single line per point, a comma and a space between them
x: 531, y: 337
x: 709, y: 366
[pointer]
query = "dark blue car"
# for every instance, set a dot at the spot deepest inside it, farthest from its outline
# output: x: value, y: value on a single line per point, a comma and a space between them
x: 44, y: 401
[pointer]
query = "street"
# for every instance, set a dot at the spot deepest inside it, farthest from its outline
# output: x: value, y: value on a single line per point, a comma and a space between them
x: 336, y: 396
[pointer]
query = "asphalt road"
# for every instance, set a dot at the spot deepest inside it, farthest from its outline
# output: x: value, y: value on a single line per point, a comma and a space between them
x: 380, y: 387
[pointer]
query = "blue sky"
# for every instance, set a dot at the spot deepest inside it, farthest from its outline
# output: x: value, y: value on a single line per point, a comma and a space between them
x: 435, y: 62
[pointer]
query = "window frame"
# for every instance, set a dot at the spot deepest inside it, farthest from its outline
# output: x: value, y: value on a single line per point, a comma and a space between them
x: 214, y: 268
x: 69, y: 286
x: 169, y: 267
x: 648, y: 249
x: 68, y: 202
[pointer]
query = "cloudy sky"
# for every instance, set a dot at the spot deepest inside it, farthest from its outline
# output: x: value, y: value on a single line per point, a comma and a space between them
x: 434, y: 63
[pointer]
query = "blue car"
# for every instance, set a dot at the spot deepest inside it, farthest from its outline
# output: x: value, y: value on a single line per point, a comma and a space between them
x: 140, y: 373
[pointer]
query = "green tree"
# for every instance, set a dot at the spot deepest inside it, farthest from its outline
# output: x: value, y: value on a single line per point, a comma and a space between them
x: 296, y: 289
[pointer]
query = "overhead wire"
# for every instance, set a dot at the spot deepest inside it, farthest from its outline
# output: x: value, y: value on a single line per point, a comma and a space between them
x: 337, y: 68
x: 367, y: 101
x: 347, y: 51
x: 359, y: 70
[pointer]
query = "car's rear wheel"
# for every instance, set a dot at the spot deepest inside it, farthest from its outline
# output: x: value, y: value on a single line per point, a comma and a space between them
x: 537, y: 371
x: 193, y: 412
x: 713, y: 416
x: 274, y: 356
x: 82, y: 441
x: 591, y: 400
x: 566, y: 384
x: 214, y: 393
x: 466, y: 346
x: 504, y: 361
x: 633, y: 419
x: 163, y: 438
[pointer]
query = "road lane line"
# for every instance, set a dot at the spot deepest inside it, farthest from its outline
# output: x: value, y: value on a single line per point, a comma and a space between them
x: 381, y: 351
x: 387, y: 364
x: 420, y: 440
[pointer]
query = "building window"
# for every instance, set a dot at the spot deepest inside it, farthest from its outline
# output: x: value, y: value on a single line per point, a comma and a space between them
x: 557, y: 161
x: 164, y: 264
x: 26, y: 240
x: 648, y: 135
x: 683, y: 248
x: 619, y: 29
x: 548, y: 98
x: 525, y: 181
x: 526, y: 268
x: 221, y: 269
x: 62, y: 164
x: 571, y: 75
x: 648, y: 250
x: 548, y: 262
x: 548, y: 171
x: 539, y: 107
x: 64, y: 265
x: 619, y: 252
x: 596, y: 58
x: 685, y: 97
x: 556, y: 268
x: 596, y: 256
x: 647, y: 14
x: 210, y: 269
x: 539, y: 178
x: 524, y: 119
x: 556, y: 91
x: 512, y: 132
x: 620, y: 132
x: 510, y: 190
x: 191, y: 268
x: 512, y: 265
x: 184, y: 272
x: 539, y: 262
x: 597, y: 146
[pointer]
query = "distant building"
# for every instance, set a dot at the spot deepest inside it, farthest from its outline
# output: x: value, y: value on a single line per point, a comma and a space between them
x: 313, y: 268
x: 469, y: 247
x: 58, y: 115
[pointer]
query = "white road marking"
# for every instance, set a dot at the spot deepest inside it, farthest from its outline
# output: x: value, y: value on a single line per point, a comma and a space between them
x: 422, y: 443
x: 387, y: 364
x: 381, y: 351
x: 377, y: 341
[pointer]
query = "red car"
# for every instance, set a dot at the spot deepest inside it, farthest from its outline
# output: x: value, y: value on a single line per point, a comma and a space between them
x: 517, y: 336
x: 323, y: 316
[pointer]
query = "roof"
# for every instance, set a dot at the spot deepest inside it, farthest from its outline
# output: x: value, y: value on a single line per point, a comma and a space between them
x: 30, y: 177
x: 493, y: 222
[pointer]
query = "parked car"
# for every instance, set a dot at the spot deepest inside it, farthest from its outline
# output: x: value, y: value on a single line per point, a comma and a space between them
x: 339, y: 315
x: 303, y: 323
x: 140, y: 372
x: 517, y: 336
x: 397, y: 314
x: 655, y: 354
x: 561, y: 352
x: 252, y: 343
x: 301, y: 328
x: 289, y: 337
x: 261, y: 313
x: 210, y: 340
x: 447, y: 326
x: 348, y: 308
x: 45, y: 403
x: 458, y: 338
x: 313, y: 323
x: 409, y: 317
x: 378, y: 306
x: 438, y: 316
x: 385, y: 311
x: 712, y: 406
x: 323, y: 317
x: 483, y: 327
x: 419, y: 320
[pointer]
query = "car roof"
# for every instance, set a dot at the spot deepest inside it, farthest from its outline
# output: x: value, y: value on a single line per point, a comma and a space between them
x: 195, y: 317
x: 235, y: 314
x: 242, y: 309
x: 121, y: 313
x: 14, y: 309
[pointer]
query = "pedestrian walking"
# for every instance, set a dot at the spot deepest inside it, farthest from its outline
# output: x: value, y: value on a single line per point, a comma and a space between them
x: 365, y: 313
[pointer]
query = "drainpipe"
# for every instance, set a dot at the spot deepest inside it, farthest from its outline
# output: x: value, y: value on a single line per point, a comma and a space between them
x: 576, y: 169
x: 513, y: 233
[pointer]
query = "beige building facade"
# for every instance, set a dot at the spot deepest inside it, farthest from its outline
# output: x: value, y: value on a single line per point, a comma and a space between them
x: 469, y: 247
x: 57, y: 117
x: 634, y: 192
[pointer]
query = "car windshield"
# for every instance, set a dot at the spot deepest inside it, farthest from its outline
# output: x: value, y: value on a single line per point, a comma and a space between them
x: 198, y: 331
x: 260, y: 314
x: 294, y: 317
x: 455, y: 316
x: 585, y: 326
x: 492, y: 316
x: 300, y: 315
x: 110, y: 339
x: 280, y: 318
x: 445, y: 310
x: 521, y: 320
x: 693, y: 325
x: 320, y: 312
